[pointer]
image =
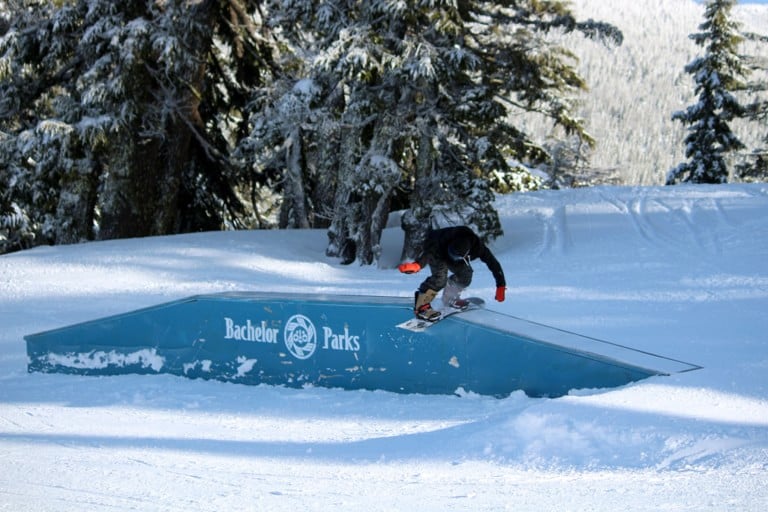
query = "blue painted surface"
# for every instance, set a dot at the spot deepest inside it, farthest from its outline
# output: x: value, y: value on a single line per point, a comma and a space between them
x: 348, y: 342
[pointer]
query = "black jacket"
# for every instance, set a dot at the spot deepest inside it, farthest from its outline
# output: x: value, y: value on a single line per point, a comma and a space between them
x: 439, y: 241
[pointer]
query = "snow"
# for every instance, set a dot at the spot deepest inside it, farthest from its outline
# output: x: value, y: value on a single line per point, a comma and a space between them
x: 99, y: 359
x: 679, y: 271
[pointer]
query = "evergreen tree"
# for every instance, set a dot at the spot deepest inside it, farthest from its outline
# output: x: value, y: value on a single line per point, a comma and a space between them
x: 418, y: 94
x: 756, y: 166
x: 117, y: 118
x: 717, y: 75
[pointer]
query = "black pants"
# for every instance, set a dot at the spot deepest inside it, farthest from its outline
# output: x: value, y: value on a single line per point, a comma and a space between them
x: 461, y: 275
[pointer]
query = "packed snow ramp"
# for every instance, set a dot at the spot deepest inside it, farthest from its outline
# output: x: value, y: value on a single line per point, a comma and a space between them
x: 349, y: 342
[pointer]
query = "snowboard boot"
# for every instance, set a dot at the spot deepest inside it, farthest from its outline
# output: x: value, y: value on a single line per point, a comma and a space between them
x: 422, y: 306
x: 451, y: 296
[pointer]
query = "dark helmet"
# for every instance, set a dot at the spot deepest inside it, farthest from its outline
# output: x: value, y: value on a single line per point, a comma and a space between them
x: 459, y: 250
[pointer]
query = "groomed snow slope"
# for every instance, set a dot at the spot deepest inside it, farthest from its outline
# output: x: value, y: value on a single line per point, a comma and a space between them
x: 678, y: 271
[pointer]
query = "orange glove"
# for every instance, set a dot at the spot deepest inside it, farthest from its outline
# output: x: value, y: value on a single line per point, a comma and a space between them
x: 409, y: 268
x: 500, y: 290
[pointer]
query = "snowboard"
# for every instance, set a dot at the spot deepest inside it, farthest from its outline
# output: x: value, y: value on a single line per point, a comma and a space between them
x: 419, y: 325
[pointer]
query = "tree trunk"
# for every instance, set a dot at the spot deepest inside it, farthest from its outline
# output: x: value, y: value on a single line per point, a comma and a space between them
x: 293, y: 212
x: 141, y: 197
x: 362, y: 201
x: 417, y: 219
x: 341, y: 240
x: 76, y: 206
x: 142, y: 189
x: 384, y: 172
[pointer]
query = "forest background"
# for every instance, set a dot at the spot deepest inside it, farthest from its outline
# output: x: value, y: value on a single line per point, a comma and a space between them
x: 148, y: 118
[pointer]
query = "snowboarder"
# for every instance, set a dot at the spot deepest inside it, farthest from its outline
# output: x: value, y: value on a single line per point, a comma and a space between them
x: 450, y: 249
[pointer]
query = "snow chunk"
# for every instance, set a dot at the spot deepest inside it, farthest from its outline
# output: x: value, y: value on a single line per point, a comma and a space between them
x: 99, y: 359
x: 245, y: 366
x: 204, y: 365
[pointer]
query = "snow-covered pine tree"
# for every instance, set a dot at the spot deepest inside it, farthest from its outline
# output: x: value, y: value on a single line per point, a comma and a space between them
x: 36, y: 137
x: 121, y: 115
x: 428, y: 87
x: 286, y: 122
x: 717, y: 74
x: 755, y: 167
x: 313, y: 125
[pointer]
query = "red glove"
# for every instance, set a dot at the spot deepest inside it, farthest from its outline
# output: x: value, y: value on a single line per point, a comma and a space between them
x: 500, y: 290
x: 409, y: 268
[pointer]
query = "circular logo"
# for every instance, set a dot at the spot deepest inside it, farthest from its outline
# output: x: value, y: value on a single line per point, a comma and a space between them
x: 300, y: 336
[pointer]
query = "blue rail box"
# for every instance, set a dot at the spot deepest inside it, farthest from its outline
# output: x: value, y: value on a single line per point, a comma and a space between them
x: 349, y: 342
